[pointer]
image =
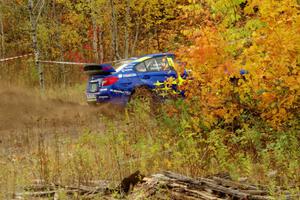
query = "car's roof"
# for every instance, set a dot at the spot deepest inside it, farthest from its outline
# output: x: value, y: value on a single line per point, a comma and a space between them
x: 138, y: 59
x: 157, y: 55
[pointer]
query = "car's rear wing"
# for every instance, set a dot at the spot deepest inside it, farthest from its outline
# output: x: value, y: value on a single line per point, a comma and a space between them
x: 101, y: 69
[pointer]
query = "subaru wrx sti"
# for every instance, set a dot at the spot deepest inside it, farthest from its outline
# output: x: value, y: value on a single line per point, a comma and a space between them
x: 117, y: 83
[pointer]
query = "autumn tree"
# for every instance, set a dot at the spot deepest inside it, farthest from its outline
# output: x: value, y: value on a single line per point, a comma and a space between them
x: 259, y: 37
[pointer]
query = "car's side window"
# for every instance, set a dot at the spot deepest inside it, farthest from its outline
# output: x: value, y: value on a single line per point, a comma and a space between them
x: 141, y: 67
x: 163, y: 63
x: 152, y: 65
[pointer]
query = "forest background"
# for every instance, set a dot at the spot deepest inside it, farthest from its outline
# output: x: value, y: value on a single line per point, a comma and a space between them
x: 246, y: 125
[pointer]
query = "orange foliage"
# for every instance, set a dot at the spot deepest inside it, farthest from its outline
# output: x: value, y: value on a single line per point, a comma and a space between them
x: 272, y: 86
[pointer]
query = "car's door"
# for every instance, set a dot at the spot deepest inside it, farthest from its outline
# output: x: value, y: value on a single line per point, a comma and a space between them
x: 155, y: 70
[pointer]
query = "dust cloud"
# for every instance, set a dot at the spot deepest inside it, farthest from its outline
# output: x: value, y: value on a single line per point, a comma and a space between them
x: 23, y: 109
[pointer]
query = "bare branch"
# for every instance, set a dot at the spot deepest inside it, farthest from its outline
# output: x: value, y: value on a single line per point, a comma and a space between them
x: 40, y: 12
x: 36, y: 5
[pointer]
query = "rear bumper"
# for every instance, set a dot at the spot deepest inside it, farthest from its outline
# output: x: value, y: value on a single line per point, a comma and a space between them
x: 107, y: 97
x: 97, y: 98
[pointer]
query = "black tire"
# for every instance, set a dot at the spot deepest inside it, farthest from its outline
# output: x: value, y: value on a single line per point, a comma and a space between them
x: 144, y: 98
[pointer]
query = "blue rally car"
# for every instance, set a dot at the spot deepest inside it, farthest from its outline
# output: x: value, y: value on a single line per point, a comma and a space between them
x: 119, y: 82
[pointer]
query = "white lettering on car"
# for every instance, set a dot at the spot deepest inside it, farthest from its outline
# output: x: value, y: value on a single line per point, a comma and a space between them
x: 121, y: 92
x: 103, y: 97
x: 127, y: 70
x: 117, y: 91
x: 129, y: 75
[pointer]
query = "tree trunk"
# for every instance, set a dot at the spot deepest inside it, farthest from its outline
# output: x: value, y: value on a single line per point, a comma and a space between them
x: 33, y: 21
x: 2, y: 32
x: 114, y: 30
x: 127, y: 20
x: 2, y: 52
x: 62, y: 74
x: 2, y: 37
x: 136, y: 37
x: 95, y: 40
x: 101, y: 49
x: 157, y: 37
x: 95, y: 33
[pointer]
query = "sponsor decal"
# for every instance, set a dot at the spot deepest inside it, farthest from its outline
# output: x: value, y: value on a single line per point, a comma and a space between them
x: 103, y: 89
x: 117, y: 91
x: 129, y: 75
x: 121, y: 92
x: 103, y: 97
x: 127, y: 70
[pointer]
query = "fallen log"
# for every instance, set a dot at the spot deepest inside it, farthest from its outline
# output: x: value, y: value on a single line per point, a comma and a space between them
x: 176, y: 186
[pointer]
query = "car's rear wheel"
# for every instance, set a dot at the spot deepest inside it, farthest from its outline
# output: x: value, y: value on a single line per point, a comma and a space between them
x: 144, y: 100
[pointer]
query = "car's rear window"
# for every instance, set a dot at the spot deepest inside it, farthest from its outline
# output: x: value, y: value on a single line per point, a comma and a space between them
x: 141, y: 67
x: 120, y: 64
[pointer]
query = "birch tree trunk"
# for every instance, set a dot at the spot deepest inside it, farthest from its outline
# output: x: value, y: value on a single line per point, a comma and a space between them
x: 33, y: 22
x: 114, y: 30
x: 127, y: 20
